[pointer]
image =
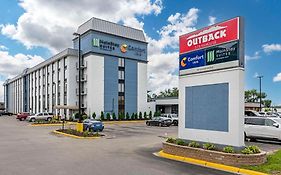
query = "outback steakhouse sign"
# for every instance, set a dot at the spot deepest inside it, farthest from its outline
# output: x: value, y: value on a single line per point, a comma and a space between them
x: 216, y: 34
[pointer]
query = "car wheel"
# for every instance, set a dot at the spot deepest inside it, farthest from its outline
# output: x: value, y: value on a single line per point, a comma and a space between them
x: 49, y: 119
x: 147, y: 123
x: 32, y: 120
x: 176, y: 123
x: 245, y: 137
x: 21, y: 119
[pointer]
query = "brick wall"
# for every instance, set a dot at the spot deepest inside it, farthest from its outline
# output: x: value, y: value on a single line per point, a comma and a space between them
x: 214, y: 156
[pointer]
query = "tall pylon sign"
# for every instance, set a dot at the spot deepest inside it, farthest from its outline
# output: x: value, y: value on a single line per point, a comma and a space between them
x: 211, y: 84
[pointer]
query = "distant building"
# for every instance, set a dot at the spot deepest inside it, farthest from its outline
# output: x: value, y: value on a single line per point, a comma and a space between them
x: 253, y: 106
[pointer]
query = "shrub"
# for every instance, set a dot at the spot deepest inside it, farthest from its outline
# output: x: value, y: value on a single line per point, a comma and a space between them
x: 121, y: 116
x: 254, y: 149
x: 194, y: 144
x: 171, y: 140
x: 102, y: 116
x: 76, y: 115
x: 228, y: 149
x: 209, y: 146
x: 127, y: 116
x: 150, y: 114
x: 157, y: 113
x: 140, y: 115
x: 133, y: 116
x: 246, y: 150
x: 136, y: 116
x: 94, y: 115
x: 107, y: 116
x: 145, y: 115
x: 84, y: 116
x: 180, y: 142
x: 113, y: 116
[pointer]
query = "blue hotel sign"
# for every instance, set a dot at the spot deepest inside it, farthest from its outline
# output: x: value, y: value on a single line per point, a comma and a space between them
x: 209, y: 56
x: 192, y: 60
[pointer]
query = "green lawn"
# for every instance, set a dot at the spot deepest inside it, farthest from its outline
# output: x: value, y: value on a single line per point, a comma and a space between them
x: 272, y: 166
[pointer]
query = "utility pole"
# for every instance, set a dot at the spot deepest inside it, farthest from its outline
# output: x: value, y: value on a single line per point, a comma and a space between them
x: 260, y: 78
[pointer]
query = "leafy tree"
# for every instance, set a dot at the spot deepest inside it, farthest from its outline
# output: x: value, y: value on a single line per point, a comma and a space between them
x: 150, y: 114
x: 113, y: 116
x: 133, y: 116
x: 94, y: 115
x: 254, y: 97
x: 140, y: 115
x: 136, y: 116
x: 145, y: 115
x: 107, y: 116
x: 267, y: 103
x: 102, y: 115
x: 127, y: 116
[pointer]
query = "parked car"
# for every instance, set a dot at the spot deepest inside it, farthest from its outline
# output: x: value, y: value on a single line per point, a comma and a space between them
x: 174, y: 118
x: 6, y: 113
x: 159, y: 121
x: 93, y: 125
x: 22, y: 116
x: 40, y: 116
x: 262, y: 128
x: 251, y: 113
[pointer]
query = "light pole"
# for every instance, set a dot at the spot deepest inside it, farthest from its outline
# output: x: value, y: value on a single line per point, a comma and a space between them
x: 79, y: 75
x: 260, y: 77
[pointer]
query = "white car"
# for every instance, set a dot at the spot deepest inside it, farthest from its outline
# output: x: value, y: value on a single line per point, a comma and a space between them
x: 268, y: 128
x: 251, y: 113
x: 40, y: 116
x: 174, y: 118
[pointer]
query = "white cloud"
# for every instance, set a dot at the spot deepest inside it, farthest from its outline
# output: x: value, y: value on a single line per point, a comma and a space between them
x: 277, y: 77
x: 163, y: 67
x: 50, y: 24
x: 268, y: 48
x: 254, y: 57
x: 11, y: 65
x: 212, y: 20
x: 2, y: 47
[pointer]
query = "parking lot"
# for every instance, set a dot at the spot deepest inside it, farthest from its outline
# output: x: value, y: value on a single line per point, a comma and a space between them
x: 126, y: 149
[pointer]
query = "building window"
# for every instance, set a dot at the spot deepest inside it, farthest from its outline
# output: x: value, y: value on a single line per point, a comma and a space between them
x: 121, y: 75
x: 121, y: 85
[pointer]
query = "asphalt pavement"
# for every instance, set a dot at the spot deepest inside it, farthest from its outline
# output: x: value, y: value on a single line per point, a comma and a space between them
x: 127, y: 149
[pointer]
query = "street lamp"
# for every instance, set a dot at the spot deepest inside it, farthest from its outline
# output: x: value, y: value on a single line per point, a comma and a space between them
x: 79, y: 75
x: 260, y: 77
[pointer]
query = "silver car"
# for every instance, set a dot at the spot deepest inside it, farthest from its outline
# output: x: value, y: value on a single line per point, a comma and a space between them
x: 40, y: 116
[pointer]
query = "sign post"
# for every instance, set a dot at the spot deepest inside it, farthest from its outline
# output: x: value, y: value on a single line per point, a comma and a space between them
x: 211, y: 84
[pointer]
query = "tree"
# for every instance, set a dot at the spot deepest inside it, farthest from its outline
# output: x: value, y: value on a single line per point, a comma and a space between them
x: 140, y: 115
x: 107, y: 116
x: 254, y: 97
x: 150, y: 114
x: 102, y: 115
x: 267, y: 103
x: 145, y: 115
x: 133, y: 116
x: 113, y: 116
x: 127, y: 116
x: 94, y: 115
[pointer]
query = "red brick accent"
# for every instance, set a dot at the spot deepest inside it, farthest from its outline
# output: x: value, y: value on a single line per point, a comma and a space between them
x: 214, y: 156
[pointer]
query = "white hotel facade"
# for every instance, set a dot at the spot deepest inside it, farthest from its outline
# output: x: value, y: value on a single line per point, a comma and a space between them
x: 114, y: 75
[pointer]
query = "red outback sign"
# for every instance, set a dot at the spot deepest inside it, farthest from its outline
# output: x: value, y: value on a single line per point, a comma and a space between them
x: 216, y: 34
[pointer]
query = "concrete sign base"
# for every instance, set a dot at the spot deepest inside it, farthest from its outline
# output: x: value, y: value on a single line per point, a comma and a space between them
x: 211, y: 107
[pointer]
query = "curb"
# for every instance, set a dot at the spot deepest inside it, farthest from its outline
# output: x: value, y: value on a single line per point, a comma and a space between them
x: 54, y: 124
x: 74, y: 136
x: 217, y: 166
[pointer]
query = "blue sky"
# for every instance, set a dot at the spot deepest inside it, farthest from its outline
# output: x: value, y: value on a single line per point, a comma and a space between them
x: 32, y: 31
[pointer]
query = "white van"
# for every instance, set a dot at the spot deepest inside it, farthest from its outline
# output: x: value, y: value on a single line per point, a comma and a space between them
x: 263, y: 128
